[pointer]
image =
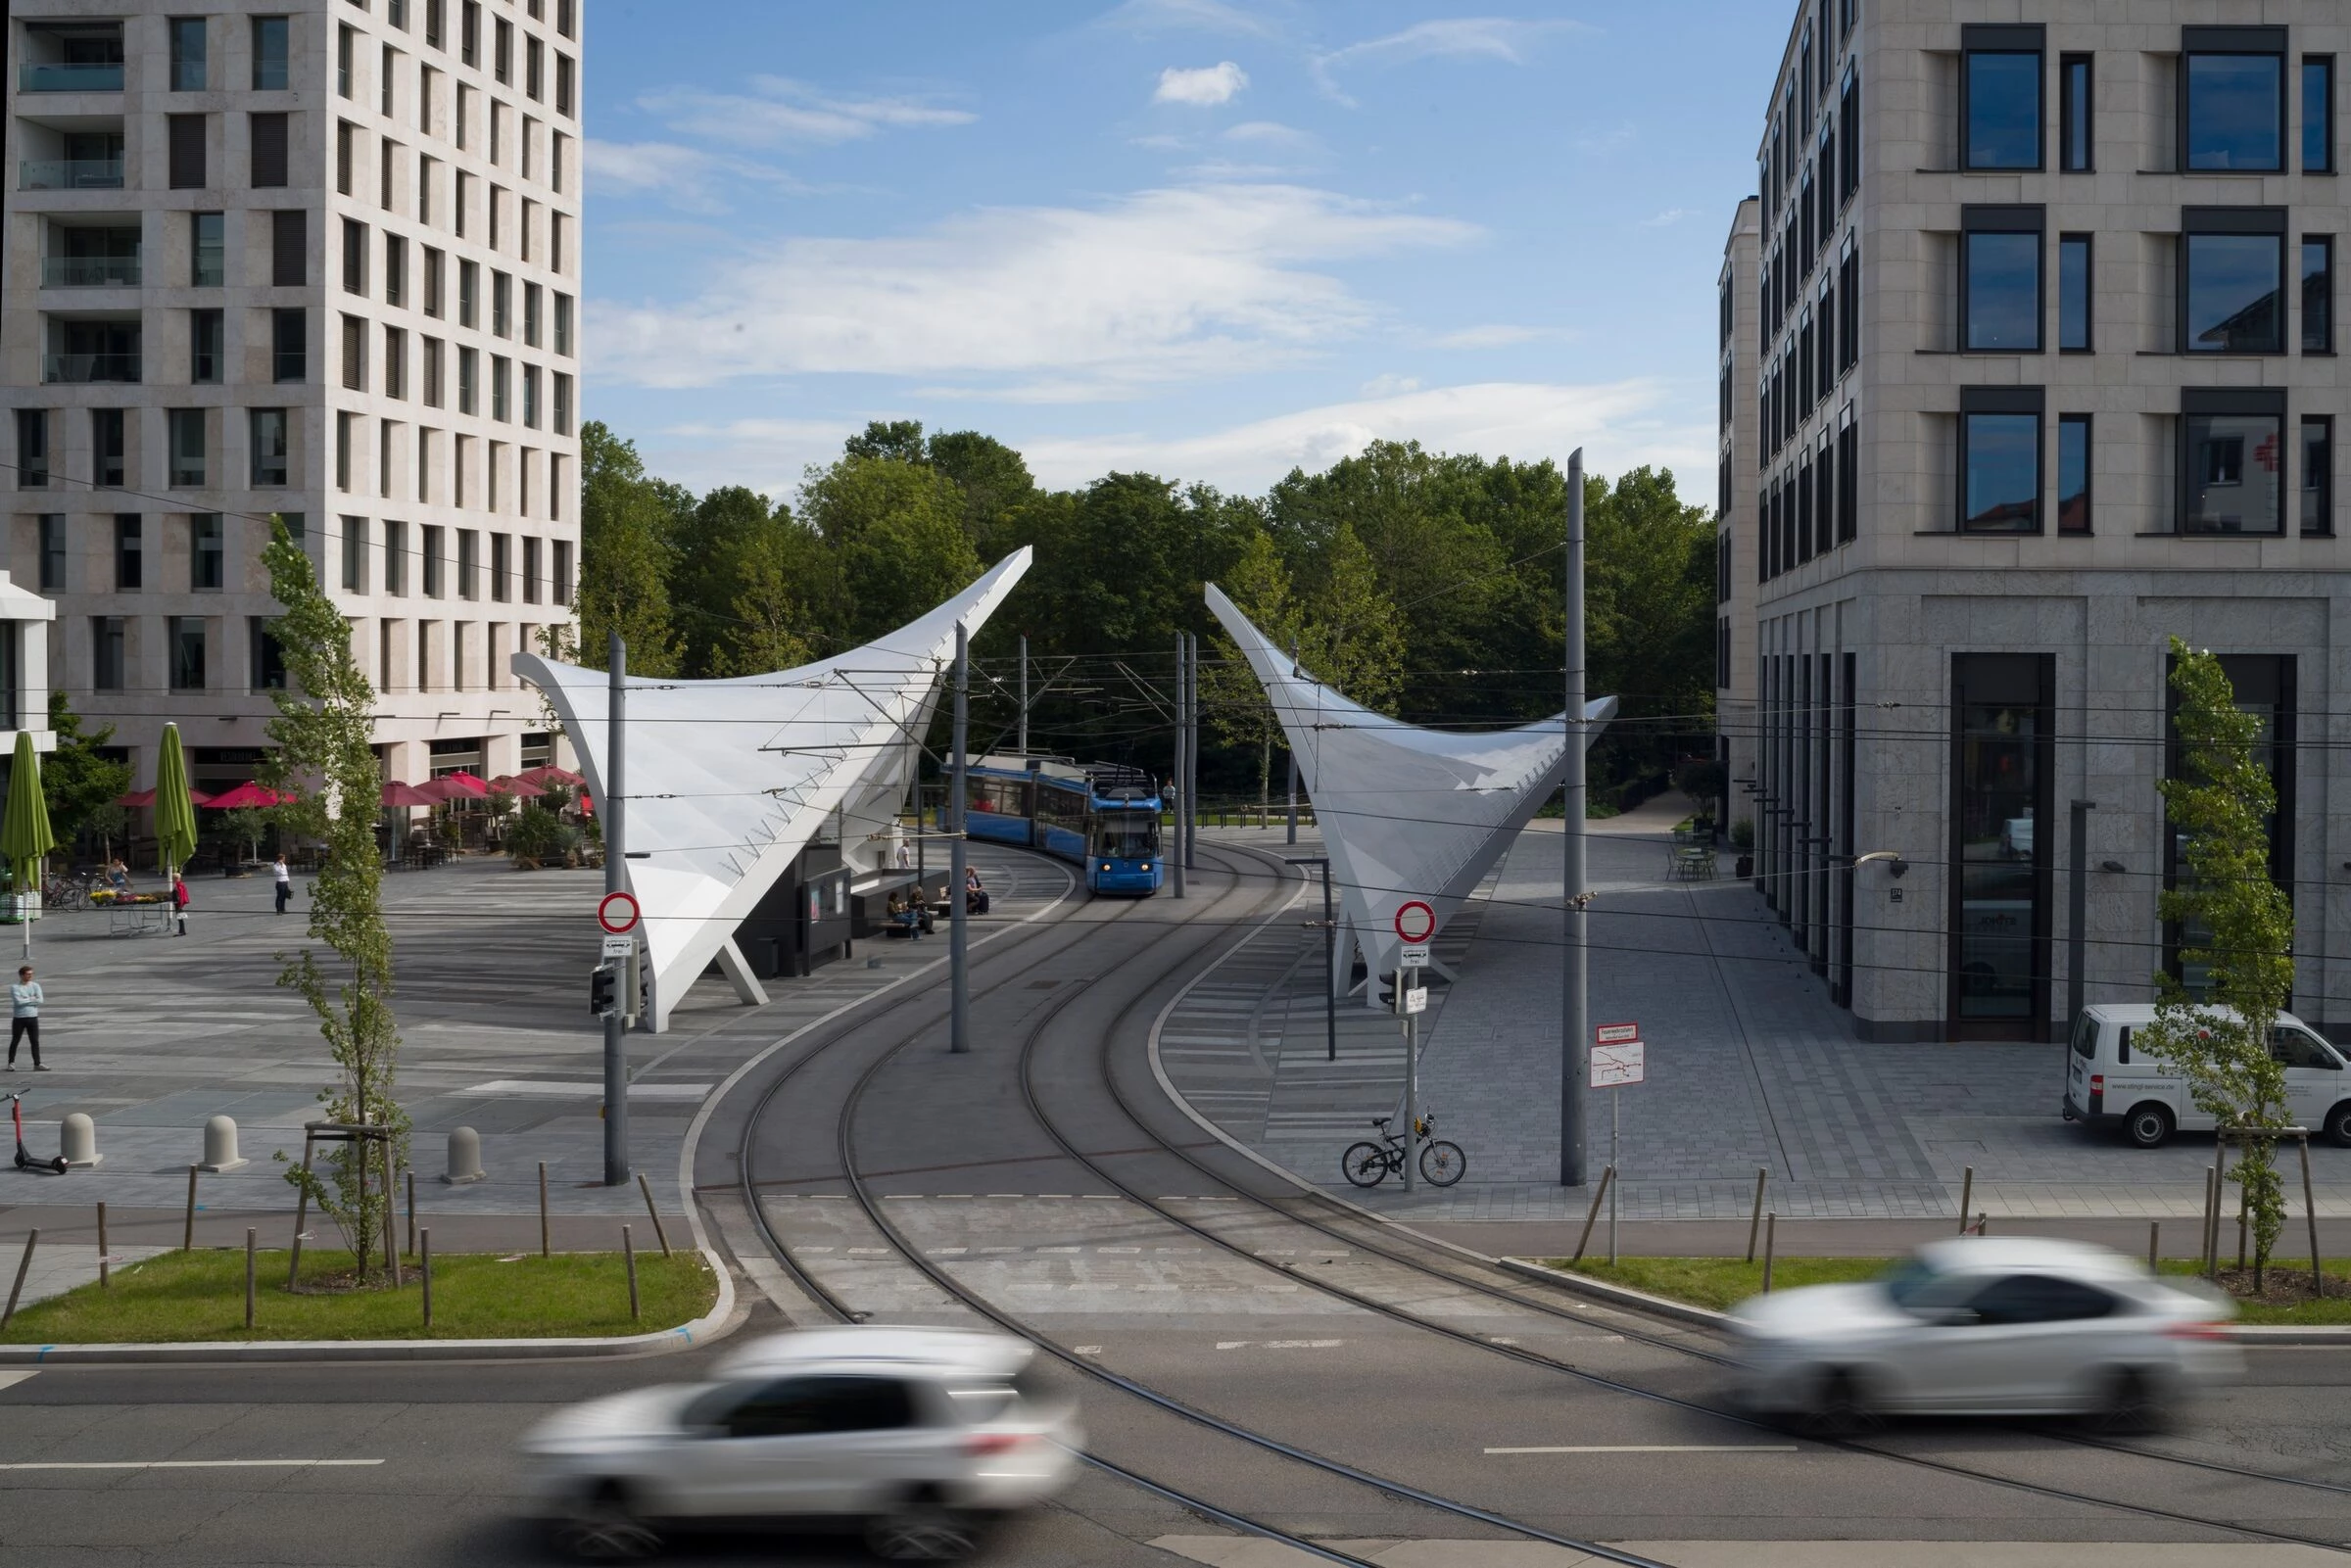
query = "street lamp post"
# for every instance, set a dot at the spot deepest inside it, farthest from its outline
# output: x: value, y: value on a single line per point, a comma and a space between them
x: 1574, y: 976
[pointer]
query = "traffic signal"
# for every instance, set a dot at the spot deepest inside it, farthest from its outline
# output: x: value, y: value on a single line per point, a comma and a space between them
x: 601, y: 990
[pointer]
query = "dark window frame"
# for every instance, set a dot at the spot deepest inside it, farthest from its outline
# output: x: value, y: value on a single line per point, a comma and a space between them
x: 2021, y: 39
x: 2088, y: 425
x: 2238, y: 41
x: 2323, y: 423
x: 2230, y: 222
x: 2077, y: 112
x: 2324, y: 314
x: 2089, y: 293
x: 2007, y: 402
x: 2007, y: 221
x: 2329, y: 159
x: 2246, y: 402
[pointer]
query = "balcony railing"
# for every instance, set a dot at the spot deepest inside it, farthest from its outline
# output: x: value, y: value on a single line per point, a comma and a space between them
x: 34, y: 77
x: 79, y: 368
x: 89, y: 271
x: 69, y: 174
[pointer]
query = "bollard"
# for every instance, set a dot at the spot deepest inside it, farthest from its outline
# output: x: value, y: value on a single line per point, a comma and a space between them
x: 250, y: 1261
x: 221, y: 1145
x: 464, y: 1156
x: 24, y: 1268
x: 411, y: 1213
x: 628, y: 1253
x: 2244, y: 1201
x: 77, y: 1140
x: 2208, y: 1238
x: 1754, y: 1221
x: 2309, y: 1207
x: 1983, y: 1225
x: 545, y: 1250
x: 187, y: 1236
x: 1967, y: 1196
x: 1771, y: 1239
x: 103, y: 1281
x: 659, y: 1234
x: 2154, y: 1244
x: 1599, y: 1196
x: 424, y: 1264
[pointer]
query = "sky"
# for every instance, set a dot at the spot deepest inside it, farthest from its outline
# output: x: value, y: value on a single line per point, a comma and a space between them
x: 1212, y: 240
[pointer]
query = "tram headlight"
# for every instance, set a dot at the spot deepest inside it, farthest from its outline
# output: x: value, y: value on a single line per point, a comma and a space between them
x: 1106, y: 864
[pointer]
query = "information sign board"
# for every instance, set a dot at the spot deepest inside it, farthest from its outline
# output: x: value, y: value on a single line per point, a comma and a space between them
x: 1617, y: 1065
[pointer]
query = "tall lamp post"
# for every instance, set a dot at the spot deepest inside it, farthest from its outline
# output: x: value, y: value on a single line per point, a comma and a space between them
x: 1574, y: 1002
x: 615, y: 810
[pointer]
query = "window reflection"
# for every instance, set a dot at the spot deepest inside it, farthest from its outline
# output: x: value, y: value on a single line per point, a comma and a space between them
x: 2318, y: 474
x: 2235, y: 287
x: 2003, y: 110
x: 2318, y: 295
x: 2002, y: 463
x: 2236, y: 112
x: 2003, y: 292
x: 2000, y: 840
x: 2235, y: 473
x: 2072, y: 292
x: 2073, y: 474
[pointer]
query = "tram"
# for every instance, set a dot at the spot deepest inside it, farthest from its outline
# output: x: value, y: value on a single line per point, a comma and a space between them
x: 1101, y: 815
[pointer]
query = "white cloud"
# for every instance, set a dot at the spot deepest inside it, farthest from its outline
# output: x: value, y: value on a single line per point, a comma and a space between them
x: 1499, y: 38
x: 767, y: 456
x: 686, y: 177
x: 1668, y: 218
x: 1201, y: 16
x: 1621, y: 425
x: 1388, y: 386
x: 1204, y: 87
x: 1158, y: 286
x: 782, y: 109
x: 1272, y: 133
x: 1494, y: 335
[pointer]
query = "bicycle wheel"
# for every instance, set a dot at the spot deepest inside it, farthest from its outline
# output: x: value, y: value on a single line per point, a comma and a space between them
x: 1441, y: 1163
x: 1365, y: 1164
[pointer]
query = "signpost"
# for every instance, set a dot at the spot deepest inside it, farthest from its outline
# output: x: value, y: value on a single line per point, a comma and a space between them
x: 1415, y: 923
x: 617, y: 914
x: 1618, y: 1061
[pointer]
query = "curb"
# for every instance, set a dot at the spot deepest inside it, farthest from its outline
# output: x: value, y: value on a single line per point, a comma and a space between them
x: 1600, y: 1290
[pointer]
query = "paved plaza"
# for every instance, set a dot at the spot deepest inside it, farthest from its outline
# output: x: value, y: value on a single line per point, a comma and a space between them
x: 1750, y: 1067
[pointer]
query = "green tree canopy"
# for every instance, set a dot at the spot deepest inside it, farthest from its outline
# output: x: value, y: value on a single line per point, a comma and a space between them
x: 78, y: 779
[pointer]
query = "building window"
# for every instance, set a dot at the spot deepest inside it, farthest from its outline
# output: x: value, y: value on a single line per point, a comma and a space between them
x: 430, y: 370
x: 500, y: 373
x: 188, y: 653
x: 563, y: 324
x: 530, y: 313
x: 435, y: 15
x: 2318, y: 294
x: 434, y: 263
x: 2318, y: 114
x: 32, y: 448
x: 354, y: 353
x: 2233, y: 298
x: 2073, y: 294
x: 187, y: 54
x: 564, y: 74
x: 501, y: 567
x: 130, y: 552
x: 347, y: 138
x: 1999, y: 459
x: 396, y: 269
x: 269, y: 54
x: 2233, y: 461
x: 469, y: 363
x: 267, y: 133
x: 396, y: 558
x: 354, y: 555
x: 2318, y: 474
x: 530, y: 397
x: 107, y: 439
x: 206, y: 554
x: 470, y: 32
x: 208, y: 249
x: 2233, y: 83
x: 2072, y: 473
x: 354, y: 256
x: 269, y: 658
x: 2001, y: 843
x: 346, y: 44
x: 562, y: 403
x: 207, y: 332
x: 2001, y: 92
x: 387, y: 106
x: 186, y: 432
x: 52, y: 527
x: 289, y: 345
x: 346, y: 428
x: 501, y: 294
x: 289, y: 248
x: 1999, y: 279
x: 268, y: 431
x: 184, y: 135
x: 469, y: 275
x: 106, y: 652
x: 534, y: 69
x: 562, y: 561
x: 435, y: 584
x: 469, y: 563
x: 2076, y: 106
x: 502, y: 56
x: 530, y: 570
x: 396, y: 362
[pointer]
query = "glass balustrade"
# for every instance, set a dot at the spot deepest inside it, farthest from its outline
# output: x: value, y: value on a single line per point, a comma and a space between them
x: 39, y: 78
x: 89, y: 271
x: 69, y: 174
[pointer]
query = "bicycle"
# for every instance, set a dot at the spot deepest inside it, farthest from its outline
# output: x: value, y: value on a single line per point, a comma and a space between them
x: 1367, y: 1163
x: 65, y: 892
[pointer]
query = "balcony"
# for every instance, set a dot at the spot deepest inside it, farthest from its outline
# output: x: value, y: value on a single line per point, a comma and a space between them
x: 89, y: 271
x: 35, y: 76
x: 81, y: 369
x: 69, y: 174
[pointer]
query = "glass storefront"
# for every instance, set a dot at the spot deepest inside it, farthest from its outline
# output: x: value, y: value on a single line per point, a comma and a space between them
x: 2002, y: 781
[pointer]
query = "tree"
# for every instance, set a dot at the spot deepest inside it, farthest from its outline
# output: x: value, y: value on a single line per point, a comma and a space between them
x: 2237, y: 925
x: 896, y: 527
x: 709, y: 547
x: 624, y: 555
x: 323, y: 762
x: 1231, y: 695
x: 788, y: 599
x: 1348, y: 630
x: 78, y: 779
x: 995, y: 484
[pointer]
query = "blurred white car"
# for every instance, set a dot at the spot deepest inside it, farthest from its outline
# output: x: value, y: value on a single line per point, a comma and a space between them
x: 922, y: 1435
x: 1987, y: 1327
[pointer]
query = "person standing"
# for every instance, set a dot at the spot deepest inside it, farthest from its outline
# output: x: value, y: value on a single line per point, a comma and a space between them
x: 25, y: 1021
x: 285, y: 881
x: 180, y: 901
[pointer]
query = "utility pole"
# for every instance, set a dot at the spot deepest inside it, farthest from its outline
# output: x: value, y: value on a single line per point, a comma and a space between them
x: 1330, y: 957
x: 1292, y: 753
x: 1411, y: 1070
x: 959, y: 1015
x: 1024, y: 693
x: 2077, y: 915
x: 1175, y: 787
x: 616, y: 1022
x: 1574, y: 1002
x: 1192, y: 749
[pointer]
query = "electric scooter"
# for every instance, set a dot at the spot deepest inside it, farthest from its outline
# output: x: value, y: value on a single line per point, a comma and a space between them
x: 24, y: 1160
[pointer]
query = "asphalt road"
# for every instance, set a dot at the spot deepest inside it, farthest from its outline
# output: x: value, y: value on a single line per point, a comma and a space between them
x: 1195, y: 1278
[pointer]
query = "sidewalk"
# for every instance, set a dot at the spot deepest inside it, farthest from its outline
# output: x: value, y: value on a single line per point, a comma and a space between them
x: 1749, y: 1067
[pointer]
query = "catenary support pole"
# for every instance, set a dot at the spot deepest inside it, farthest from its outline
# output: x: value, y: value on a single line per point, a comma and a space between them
x: 2077, y: 915
x: 1412, y: 1077
x: 1175, y: 785
x: 614, y: 809
x: 1024, y: 693
x: 1574, y: 1023
x: 1191, y: 751
x: 959, y: 1016
x: 1293, y: 756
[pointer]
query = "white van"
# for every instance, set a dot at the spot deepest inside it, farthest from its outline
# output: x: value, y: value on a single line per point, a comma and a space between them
x: 2108, y: 1083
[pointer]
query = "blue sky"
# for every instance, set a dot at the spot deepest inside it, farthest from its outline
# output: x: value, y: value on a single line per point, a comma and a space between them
x: 1210, y: 239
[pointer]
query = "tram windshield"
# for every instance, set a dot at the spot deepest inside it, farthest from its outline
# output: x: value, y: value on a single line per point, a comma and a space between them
x: 1126, y: 835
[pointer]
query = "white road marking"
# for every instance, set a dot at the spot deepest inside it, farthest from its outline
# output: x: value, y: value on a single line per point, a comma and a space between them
x: 8, y: 1380
x: 553, y: 1089
x: 1662, y: 1447
x: 1087, y: 1350
x: 194, y: 1464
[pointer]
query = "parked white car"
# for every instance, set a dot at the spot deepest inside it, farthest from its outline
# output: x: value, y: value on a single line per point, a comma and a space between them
x: 1985, y: 1327
x: 2112, y: 1081
x: 923, y: 1435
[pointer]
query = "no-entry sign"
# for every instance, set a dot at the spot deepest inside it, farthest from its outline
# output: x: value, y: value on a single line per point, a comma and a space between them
x: 617, y: 914
x: 1416, y: 921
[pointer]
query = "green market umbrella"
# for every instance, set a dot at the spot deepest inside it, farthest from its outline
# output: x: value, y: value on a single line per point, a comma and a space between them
x: 174, y: 816
x: 24, y: 834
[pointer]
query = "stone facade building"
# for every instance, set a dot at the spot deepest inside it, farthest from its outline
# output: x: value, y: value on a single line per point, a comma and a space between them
x: 315, y: 258
x: 2045, y: 373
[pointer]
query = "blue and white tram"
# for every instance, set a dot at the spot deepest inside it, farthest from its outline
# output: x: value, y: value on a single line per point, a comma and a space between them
x: 1102, y: 815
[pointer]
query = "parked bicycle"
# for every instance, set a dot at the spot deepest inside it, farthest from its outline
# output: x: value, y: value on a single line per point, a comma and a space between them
x: 1367, y: 1163
x: 68, y: 891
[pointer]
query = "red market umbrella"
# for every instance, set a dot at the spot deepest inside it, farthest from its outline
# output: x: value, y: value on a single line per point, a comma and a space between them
x: 397, y: 793
x: 434, y: 792
x: 508, y: 784
x: 547, y: 772
x: 243, y: 795
x: 146, y: 797
x: 461, y: 782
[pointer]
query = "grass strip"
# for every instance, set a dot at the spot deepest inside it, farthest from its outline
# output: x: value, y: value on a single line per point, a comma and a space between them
x: 184, y: 1296
x: 1722, y: 1283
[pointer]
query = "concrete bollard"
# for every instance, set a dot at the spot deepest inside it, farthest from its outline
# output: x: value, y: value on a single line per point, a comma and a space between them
x: 77, y: 1140
x: 464, y: 1156
x: 221, y: 1145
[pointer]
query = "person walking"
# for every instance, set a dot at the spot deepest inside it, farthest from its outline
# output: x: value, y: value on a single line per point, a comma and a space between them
x: 180, y: 901
x: 25, y: 1021
x: 285, y: 881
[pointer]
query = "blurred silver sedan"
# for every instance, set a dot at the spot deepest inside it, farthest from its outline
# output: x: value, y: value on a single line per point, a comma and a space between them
x: 922, y: 1435
x: 1987, y: 1328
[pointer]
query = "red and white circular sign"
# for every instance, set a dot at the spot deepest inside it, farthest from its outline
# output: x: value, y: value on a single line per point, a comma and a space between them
x: 617, y: 914
x: 1416, y: 921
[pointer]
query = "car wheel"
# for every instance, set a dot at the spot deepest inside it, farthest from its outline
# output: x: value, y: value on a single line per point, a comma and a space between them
x: 1842, y: 1408
x: 2133, y: 1402
x: 605, y: 1529
x: 2338, y: 1125
x: 923, y: 1530
x: 2149, y: 1125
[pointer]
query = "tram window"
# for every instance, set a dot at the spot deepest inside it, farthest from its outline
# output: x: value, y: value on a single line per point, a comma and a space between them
x: 1126, y: 836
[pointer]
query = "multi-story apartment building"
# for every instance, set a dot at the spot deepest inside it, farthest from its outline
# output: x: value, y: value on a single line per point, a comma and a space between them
x: 2046, y: 372
x: 317, y: 260
x: 1738, y: 310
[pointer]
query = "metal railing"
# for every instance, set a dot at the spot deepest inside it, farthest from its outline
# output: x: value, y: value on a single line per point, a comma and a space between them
x: 89, y: 271
x: 69, y: 174
x: 79, y: 368
x: 35, y: 77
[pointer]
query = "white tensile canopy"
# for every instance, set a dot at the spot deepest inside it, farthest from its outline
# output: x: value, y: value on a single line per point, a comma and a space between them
x: 728, y: 781
x: 1405, y: 813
